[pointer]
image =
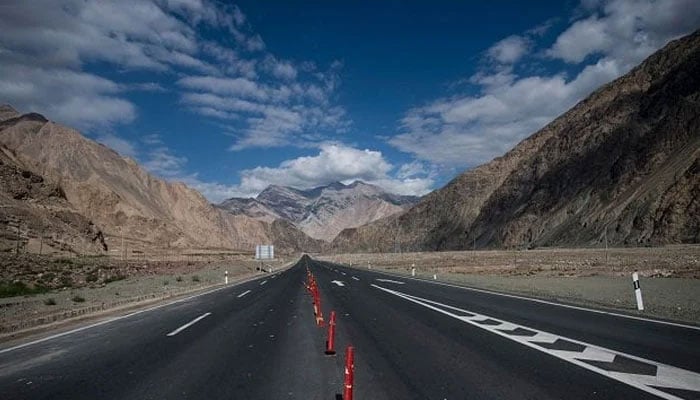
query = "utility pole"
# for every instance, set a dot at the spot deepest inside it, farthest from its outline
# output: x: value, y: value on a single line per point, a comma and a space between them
x: 17, y: 241
x: 605, y: 235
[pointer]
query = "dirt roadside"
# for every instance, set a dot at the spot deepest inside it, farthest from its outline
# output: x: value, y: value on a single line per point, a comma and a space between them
x: 670, y: 283
x: 32, y: 316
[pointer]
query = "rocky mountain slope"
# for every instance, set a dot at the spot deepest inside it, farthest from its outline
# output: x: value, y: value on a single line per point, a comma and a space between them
x: 623, y: 165
x: 35, y: 214
x: 324, y: 211
x: 115, y: 194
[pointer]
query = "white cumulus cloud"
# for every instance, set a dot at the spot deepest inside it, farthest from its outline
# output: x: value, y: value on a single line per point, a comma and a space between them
x: 614, y: 36
x: 333, y: 163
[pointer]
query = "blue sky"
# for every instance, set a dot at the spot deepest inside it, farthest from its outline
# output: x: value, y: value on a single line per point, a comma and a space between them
x: 231, y: 97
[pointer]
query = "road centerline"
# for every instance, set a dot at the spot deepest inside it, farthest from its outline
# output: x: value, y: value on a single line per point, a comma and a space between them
x: 187, y: 325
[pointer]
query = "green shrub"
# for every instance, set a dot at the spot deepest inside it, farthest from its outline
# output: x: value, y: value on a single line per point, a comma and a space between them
x: 91, y: 277
x: 195, y: 278
x: 114, y: 278
x: 78, y: 299
x: 166, y: 282
x: 66, y: 281
x: 178, y: 278
x: 12, y: 289
x: 50, y: 301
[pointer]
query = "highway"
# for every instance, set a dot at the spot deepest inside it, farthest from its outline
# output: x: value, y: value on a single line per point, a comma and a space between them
x: 413, y: 339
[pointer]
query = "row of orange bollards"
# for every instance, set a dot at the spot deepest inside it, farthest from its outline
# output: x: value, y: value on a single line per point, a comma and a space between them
x: 349, y: 375
x: 312, y: 287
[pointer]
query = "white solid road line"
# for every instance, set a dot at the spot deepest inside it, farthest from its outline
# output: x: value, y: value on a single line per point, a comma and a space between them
x: 664, y: 376
x: 263, y: 282
x: 572, y: 307
x: 243, y: 294
x: 187, y: 325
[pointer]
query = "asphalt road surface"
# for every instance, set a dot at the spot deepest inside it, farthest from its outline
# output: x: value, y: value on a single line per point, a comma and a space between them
x: 413, y: 339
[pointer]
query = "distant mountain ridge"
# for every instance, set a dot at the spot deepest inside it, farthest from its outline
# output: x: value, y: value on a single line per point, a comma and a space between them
x: 109, y: 196
x: 622, y: 166
x: 324, y: 211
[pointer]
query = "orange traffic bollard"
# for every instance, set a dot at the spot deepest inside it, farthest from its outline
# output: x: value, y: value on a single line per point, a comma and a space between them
x: 349, y: 373
x: 319, y: 311
x: 330, y: 343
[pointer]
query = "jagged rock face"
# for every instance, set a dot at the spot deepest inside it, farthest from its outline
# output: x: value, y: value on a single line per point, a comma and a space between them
x: 324, y: 211
x: 119, y: 196
x: 622, y: 164
x: 35, y: 215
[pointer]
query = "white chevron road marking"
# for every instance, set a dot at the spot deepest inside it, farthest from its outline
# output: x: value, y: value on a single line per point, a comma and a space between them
x: 665, y: 376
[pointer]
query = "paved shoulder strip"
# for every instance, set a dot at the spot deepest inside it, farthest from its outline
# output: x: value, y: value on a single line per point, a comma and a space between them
x: 552, y: 303
x: 662, y: 380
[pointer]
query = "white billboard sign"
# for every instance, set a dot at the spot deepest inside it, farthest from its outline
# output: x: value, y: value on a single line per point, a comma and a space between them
x: 264, y: 252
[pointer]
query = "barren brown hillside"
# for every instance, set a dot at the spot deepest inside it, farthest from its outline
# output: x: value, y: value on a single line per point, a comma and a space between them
x: 623, y: 166
x: 116, y: 195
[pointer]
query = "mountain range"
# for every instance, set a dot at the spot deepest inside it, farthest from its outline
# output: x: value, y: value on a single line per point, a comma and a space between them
x: 64, y: 192
x: 622, y: 167
x: 324, y: 211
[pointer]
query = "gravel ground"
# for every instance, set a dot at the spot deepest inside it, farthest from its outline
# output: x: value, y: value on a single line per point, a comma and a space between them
x: 569, y: 276
x: 29, y: 311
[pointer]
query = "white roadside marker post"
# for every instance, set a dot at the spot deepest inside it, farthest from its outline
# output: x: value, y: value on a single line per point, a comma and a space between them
x: 434, y: 277
x: 413, y: 269
x: 226, y: 277
x: 637, y: 291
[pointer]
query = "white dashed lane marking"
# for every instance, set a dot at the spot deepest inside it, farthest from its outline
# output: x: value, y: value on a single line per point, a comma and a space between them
x: 355, y: 278
x: 390, y: 281
x: 187, y: 325
x: 662, y: 380
x: 263, y: 282
x: 243, y: 294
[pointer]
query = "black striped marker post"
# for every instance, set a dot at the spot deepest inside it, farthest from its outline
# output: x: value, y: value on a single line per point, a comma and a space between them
x: 637, y: 291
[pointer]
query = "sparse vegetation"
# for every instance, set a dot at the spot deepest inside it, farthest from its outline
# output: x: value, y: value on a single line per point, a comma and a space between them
x: 178, y: 278
x: 66, y: 281
x: 78, y: 299
x: 11, y: 289
x: 50, y: 301
x: 114, y: 278
x: 166, y: 282
x: 48, y: 277
x: 195, y: 278
x: 91, y: 277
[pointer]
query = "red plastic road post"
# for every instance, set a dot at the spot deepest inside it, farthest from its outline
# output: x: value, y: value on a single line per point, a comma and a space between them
x: 330, y: 343
x: 349, y: 373
x: 319, y: 316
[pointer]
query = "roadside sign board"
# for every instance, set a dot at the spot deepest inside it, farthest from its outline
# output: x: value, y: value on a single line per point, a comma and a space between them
x: 264, y: 252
